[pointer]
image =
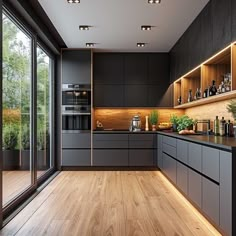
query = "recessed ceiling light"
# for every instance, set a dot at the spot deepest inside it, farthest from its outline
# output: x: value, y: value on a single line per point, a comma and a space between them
x: 141, y: 45
x: 154, y: 1
x: 89, y: 45
x: 73, y: 1
x: 146, y: 27
x: 84, y: 27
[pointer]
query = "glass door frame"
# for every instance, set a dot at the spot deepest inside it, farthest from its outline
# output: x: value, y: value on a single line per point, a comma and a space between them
x: 26, y: 193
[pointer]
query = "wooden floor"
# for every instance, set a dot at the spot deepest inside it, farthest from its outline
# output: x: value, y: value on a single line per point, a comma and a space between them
x: 109, y: 203
x: 15, y: 182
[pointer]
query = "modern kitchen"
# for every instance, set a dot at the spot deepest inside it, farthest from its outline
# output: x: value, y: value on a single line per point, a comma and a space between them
x: 118, y: 118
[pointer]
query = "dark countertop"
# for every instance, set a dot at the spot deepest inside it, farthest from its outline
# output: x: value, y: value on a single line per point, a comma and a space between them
x: 226, y: 143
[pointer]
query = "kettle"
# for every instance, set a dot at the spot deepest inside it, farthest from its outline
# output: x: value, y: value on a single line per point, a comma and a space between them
x: 135, y: 124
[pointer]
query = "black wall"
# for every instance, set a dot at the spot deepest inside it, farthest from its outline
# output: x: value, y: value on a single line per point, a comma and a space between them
x: 211, y: 31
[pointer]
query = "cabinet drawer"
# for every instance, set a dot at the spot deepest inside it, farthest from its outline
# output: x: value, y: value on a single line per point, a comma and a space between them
x: 169, y: 150
x: 195, y: 187
x: 211, y: 162
x: 142, y: 141
x: 114, y: 157
x: 76, y: 140
x: 182, y: 151
x: 141, y: 157
x: 110, y: 141
x: 195, y: 156
x: 182, y: 177
x: 210, y: 199
x: 169, y: 140
x: 169, y: 167
x: 76, y: 157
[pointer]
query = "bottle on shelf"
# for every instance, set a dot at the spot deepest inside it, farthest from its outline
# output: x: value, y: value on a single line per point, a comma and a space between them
x: 213, y: 89
x: 179, y: 100
x: 217, y: 126
x: 229, y: 130
x: 206, y: 93
x: 222, y: 87
x: 190, y: 96
x: 198, y: 94
x: 227, y: 82
x: 222, y: 127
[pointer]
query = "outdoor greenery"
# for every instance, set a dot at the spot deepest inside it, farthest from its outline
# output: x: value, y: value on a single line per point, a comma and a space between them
x: 154, y: 115
x: 16, y: 69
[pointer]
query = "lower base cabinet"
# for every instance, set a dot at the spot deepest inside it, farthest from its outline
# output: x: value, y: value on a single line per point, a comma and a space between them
x: 182, y: 177
x: 195, y: 187
x: 169, y: 167
x: 211, y: 199
x: 141, y: 157
x: 76, y: 157
x: 113, y: 157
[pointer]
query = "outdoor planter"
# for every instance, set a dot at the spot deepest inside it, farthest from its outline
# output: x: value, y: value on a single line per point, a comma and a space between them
x: 11, y: 159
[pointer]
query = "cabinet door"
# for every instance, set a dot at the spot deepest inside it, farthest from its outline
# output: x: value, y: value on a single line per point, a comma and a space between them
x: 195, y: 187
x: 170, y: 150
x: 108, y: 68
x: 135, y: 95
x: 169, y: 167
x: 221, y: 17
x: 76, y: 140
x: 142, y: 141
x: 211, y: 162
x: 182, y: 151
x: 136, y: 68
x: 112, y: 157
x: 195, y: 156
x: 226, y: 191
x: 159, y: 151
x: 141, y: 157
x: 210, y: 199
x: 76, y: 157
x: 182, y: 177
x: 108, y: 96
x: 158, y: 68
x: 76, y: 66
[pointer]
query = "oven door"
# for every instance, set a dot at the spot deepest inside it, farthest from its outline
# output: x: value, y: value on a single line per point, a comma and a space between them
x: 76, y: 97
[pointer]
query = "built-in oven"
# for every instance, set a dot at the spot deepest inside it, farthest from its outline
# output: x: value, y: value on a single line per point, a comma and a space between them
x: 76, y: 108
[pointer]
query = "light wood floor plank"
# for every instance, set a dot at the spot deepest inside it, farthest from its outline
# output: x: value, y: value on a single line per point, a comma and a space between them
x: 119, y: 203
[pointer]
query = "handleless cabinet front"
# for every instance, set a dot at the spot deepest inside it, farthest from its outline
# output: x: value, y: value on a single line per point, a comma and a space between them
x: 182, y: 151
x: 169, y: 167
x: 159, y: 151
x: 195, y: 156
x: 182, y: 177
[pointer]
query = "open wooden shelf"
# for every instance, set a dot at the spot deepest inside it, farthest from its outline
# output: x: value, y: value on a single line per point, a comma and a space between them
x: 208, y: 100
x: 202, y: 76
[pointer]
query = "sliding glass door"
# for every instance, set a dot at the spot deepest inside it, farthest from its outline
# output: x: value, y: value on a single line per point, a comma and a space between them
x: 16, y: 105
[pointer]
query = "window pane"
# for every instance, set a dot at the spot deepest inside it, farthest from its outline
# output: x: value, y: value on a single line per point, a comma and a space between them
x: 43, y: 111
x: 16, y: 110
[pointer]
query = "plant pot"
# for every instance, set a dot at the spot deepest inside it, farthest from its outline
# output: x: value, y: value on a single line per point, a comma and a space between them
x: 174, y: 127
x: 11, y: 159
x: 154, y: 127
x: 25, y: 160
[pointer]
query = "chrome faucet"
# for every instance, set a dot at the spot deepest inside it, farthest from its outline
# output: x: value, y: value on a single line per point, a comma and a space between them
x: 205, y: 122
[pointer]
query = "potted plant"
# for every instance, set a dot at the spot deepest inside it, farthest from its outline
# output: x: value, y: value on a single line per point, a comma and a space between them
x: 154, y: 119
x: 184, y: 122
x: 231, y: 107
x: 10, y: 152
x: 174, y: 121
x: 25, y: 148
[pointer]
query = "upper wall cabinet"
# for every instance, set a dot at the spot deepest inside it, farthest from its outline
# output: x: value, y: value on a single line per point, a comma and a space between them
x: 233, y: 13
x: 221, y: 22
x: 135, y: 68
x: 108, y: 68
x: 76, y: 66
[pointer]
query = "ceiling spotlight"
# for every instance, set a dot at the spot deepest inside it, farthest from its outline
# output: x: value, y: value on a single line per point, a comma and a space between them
x: 146, y: 27
x: 84, y: 27
x: 141, y: 45
x: 89, y: 45
x: 73, y: 1
x: 154, y: 1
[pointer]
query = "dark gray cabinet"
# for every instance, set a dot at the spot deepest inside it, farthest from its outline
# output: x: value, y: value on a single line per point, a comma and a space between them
x: 76, y: 157
x: 76, y: 140
x: 226, y: 191
x: 108, y: 68
x: 210, y: 199
x: 195, y: 156
x: 233, y: 14
x: 108, y: 95
x: 141, y: 141
x: 211, y: 162
x: 182, y: 177
x: 195, y: 187
x: 159, y: 151
x: 141, y: 157
x: 221, y: 23
x: 135, y: 95
x: 169, y: 167
x: 170, y: 150
x: 76, y: 66
x: 112, y: 157
x: 182, y: 151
